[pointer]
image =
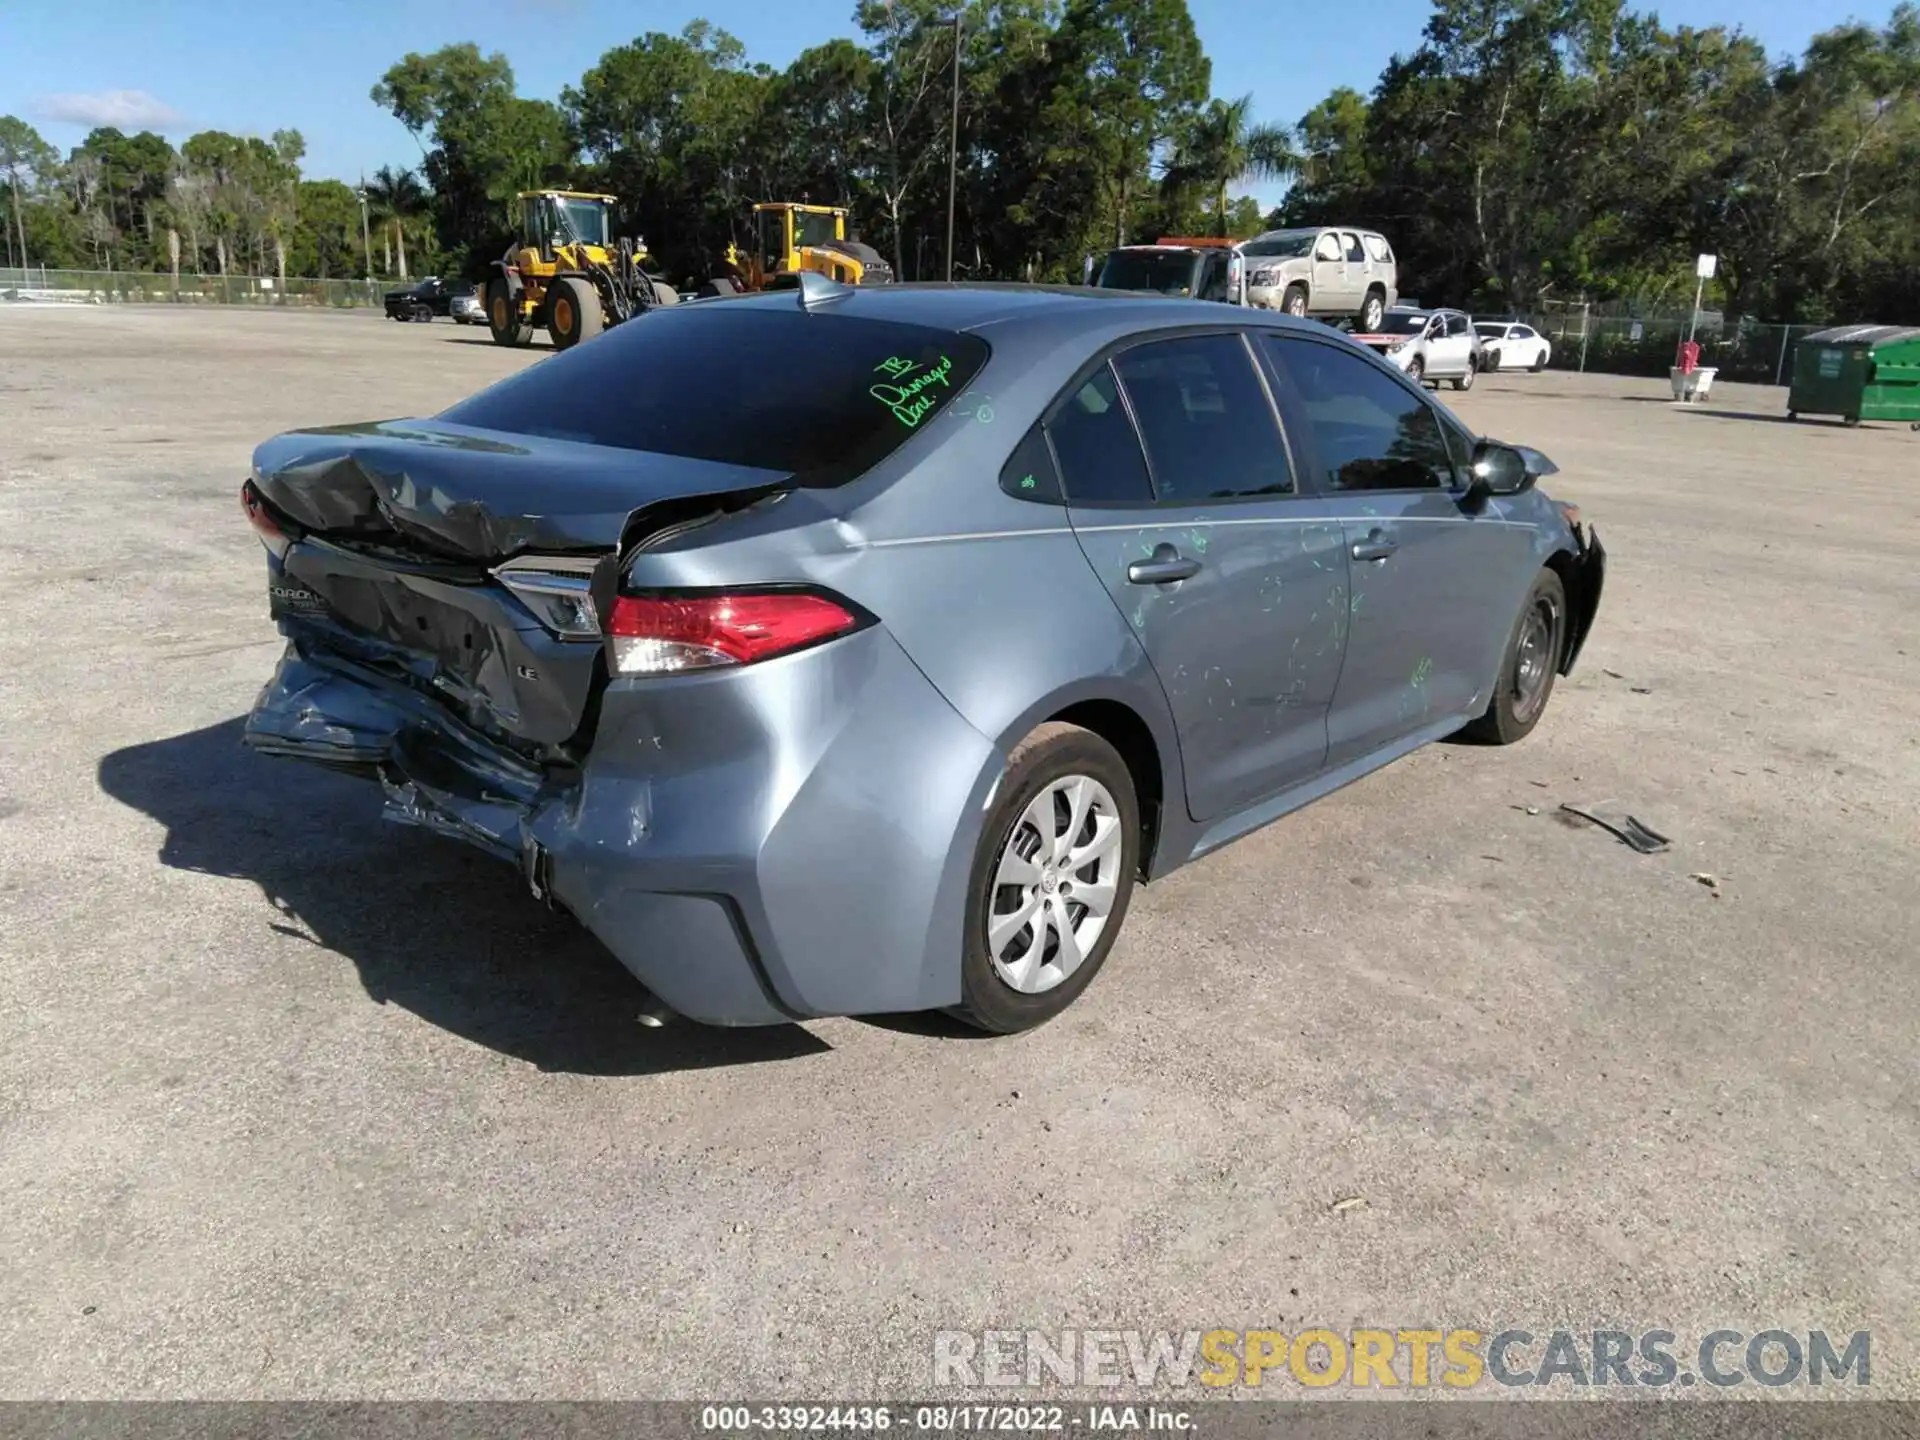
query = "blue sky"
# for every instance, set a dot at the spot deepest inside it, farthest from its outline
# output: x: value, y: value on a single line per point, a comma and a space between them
x: 183, y: 65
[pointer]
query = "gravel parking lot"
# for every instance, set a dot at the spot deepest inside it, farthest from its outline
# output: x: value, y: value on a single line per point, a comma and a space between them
x: 293, y: 1103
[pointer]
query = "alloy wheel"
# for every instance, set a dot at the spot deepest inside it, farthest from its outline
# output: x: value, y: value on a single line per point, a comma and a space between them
x: 1054, y: 884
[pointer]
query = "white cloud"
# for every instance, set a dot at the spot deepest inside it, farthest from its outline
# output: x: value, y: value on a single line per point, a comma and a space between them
x: 122, y: 109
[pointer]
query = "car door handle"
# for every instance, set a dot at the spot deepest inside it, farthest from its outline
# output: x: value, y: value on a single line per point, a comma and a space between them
x: 1375, y: 547
x: 1167, y: 566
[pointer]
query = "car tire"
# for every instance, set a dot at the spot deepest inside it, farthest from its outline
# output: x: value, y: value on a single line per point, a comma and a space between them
x: 1295, y: 301
x: 423, y: 313
x: 1539, y: 362
x: 1026, y: 982
x: 1417, y: 370
x: 1527, y: 666
x: 503, y: 317
x: 1493, y: 362
x: 573, y: 312
x: 1373, y: 313
x: 1465, y: 382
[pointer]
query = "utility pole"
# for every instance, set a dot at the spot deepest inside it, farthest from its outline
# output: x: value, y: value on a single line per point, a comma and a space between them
x: 953, y: 146
x: 366, y: 236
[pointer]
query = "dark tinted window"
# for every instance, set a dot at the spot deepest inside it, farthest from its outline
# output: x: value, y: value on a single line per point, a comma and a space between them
x: 1208, y: 425
x: 1354, y: 249
x: 1029, y: 472
x: 1171, y: 272
x: 1372, y: 432
x: 824, y: 396
x: 1093, y: 440
x: 1459, y: 325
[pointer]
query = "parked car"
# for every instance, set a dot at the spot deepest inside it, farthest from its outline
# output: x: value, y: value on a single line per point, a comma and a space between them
x: 1186, y: 269
x: 465, y: 306
x: 1428, y: 345
x: 1326, y: 272
x: 1509, y: 345
x: 875, y: 683
x: 432, y: 296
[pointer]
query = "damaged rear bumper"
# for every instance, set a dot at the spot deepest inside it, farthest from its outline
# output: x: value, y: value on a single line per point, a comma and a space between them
x: 754, y: 846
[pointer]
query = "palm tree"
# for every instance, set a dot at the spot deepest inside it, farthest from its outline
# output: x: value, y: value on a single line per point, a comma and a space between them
x: 1225, y: 146
x: 396, y: 199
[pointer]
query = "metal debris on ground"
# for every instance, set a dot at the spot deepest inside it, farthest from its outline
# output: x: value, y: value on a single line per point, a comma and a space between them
x: 1630, y: 829
x: 1350, y: 1202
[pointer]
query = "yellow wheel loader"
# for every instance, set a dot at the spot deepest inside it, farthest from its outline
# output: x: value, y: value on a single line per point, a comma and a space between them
x: 566, y: 275
x: 789, y: 238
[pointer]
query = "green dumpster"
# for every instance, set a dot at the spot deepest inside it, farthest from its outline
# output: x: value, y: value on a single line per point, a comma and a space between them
x: 1858, y: 372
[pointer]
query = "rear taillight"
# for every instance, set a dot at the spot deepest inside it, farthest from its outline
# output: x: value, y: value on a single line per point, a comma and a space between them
x: 271, y: 535
x: 665, y: 634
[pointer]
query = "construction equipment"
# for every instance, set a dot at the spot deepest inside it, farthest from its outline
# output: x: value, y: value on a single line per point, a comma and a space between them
x: 564, y: 273
x: 790, y: 237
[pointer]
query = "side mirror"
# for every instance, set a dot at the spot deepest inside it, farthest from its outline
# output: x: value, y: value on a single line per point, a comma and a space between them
x: 1501, y: 469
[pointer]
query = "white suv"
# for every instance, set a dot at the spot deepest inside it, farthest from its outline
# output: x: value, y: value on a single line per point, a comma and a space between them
x: 1325, y: 271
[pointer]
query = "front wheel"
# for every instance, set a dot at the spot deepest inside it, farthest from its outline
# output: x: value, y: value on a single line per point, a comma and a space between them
x: 1051, y: 879
x: 1295, y: 303
x: 503, y: 316
x: 1417, y: 370
x: 1373, y: 314
x: 573, y: 312
x: 1527, y: 669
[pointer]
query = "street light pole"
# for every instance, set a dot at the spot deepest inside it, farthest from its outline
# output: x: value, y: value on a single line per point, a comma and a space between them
x: 366, y: 236
x: 953, y: 147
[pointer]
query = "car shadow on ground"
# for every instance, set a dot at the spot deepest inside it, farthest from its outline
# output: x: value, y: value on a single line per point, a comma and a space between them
x: 541, y: 344
x: 442, y: 931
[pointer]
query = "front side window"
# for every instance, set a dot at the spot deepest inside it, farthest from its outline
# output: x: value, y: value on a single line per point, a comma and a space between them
x: 1459, y: 325
x: 1096, y: 448
x: 1328, y: 248
x: 1371, y: 431
x: 1205, y: 418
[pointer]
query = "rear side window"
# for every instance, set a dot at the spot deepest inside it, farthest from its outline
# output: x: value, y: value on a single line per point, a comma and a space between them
x: 1209, y: 428
x: 1377, y: 247
x: 1095, y: 445
x: 1371, y: 431
x: 1029, y: 473
x: 822, y: 396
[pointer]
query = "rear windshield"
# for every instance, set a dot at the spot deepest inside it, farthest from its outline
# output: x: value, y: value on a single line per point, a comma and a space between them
x: 1171, y: 272
x: 1400, y: 322
x: 818, y: 395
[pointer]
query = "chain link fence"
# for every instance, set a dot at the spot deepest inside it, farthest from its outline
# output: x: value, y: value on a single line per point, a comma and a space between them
x: 1628, y: 345
x: 131, y: 287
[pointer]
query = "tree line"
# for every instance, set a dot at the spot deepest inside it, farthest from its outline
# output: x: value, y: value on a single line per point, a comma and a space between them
x: 1523, y: 151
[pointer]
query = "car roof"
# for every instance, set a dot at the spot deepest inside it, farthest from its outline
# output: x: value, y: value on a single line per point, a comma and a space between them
x: 971, y: 305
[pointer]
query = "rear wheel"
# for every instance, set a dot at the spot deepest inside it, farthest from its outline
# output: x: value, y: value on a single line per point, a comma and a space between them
x: 1465, y: 382
x: 503, y: 316
x: 1295, y: 302
x: 1539, y: 361
x: 1051, y: 879
x: 1373, y: 313
x: 1528, y: 667
x: 573, y: 312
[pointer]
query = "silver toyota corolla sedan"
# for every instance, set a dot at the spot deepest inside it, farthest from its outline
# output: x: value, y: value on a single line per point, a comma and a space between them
x: 836, y: 651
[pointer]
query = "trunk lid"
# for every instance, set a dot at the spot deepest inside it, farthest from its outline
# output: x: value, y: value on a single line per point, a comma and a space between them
x: 457, y: 562
x: 454, y: 492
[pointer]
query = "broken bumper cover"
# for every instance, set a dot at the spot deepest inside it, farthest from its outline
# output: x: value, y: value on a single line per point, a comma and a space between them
x: 779, y: 841
x: 1586, y: 577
